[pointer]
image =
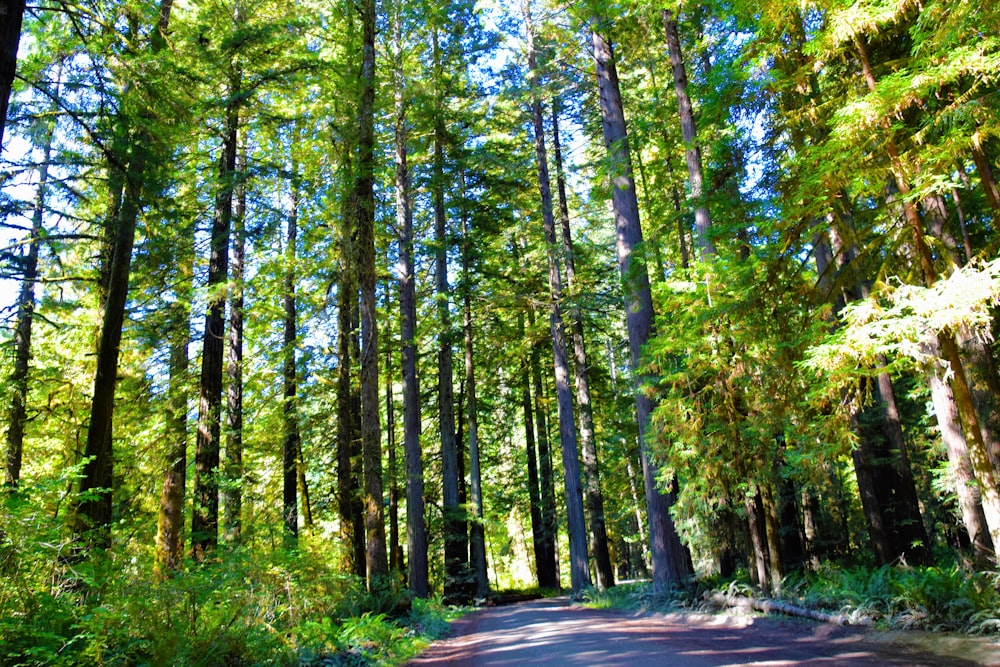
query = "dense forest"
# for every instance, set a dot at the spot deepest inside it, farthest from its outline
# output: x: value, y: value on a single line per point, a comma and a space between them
x: 372, y: 303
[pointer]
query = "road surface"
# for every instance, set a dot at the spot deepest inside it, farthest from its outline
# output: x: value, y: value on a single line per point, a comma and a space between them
x: 554, y: 632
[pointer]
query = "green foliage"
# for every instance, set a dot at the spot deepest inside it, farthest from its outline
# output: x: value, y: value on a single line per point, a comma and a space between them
x: 945, y: 597
x: 279, y: 609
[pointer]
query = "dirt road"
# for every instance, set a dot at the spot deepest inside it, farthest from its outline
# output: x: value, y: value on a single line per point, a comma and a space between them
x: 553, y: 632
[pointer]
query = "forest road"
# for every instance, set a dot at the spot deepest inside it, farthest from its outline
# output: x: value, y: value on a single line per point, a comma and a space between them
x: 555, y: 632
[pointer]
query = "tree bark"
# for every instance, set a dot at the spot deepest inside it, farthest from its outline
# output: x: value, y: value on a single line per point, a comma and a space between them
x: 91, y: 515
x: 232, y: 493
x: 205, y: 521
x: 581, y: 372
x: 416, y: 530
x: 670, y: 563
x: 455, y: 551
x: 12, y: 12
x: 692, y: 153
x: 575, y: 522
x: 291, y: 442
x: 477, y: 532
x: 545, y: 567
x: 376, y: 559
x: 546, y: 480
x: 18, y: 381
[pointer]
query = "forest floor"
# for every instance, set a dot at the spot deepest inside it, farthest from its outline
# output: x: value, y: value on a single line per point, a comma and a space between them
x: 556, y: 632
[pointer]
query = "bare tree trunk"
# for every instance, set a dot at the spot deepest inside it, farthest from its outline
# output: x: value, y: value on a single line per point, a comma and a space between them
x: 591, y: 468
x: 966, y: 487
x: 575, y: 522
x: 546, y: 480
x: 477, y: 540
x: 18, y: 381
x: 205, y: 522
x: 545, y: 569
x: 232, y: 492
x: 702, y: 220
x: 376, y: 559
x: 291, y: 442
x: 416, y: 530
x: 670, y: 562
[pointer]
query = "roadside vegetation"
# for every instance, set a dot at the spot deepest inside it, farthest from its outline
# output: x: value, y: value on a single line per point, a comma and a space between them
x: 948, y: 597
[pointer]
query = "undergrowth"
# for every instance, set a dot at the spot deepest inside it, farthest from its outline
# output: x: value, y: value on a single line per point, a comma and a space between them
x: 244, y: 609
x: 947, y: 597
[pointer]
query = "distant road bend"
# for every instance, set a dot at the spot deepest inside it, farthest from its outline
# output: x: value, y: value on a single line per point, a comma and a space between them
x: 554, y: 632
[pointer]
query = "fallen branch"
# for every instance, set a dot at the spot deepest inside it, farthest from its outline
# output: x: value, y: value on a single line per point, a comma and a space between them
x: 773, y: 606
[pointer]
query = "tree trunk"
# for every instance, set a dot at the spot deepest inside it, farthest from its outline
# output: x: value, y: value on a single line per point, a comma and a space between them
x: 591, y: 468
x: 546, y: 481
x: 668, y: 554
x: 18, y: 381
x: 575, y: 522
x: 692, y: 153
x: 392, y: 473
x: 455, y: 550
x: 12, y: 12
x: 966, y: 486
x: 758, y: 539
x: 416, y: 531
x: 205, y: 522
x: 477, y: 540
x: 348, y: 427
x: 290, y: 442
x: 376, y: 559
x: 232, y: 492
x: 170, y: 520
x: 978, y: 453
x: 545, y: 569
x: 986, y: 176
x: 93, y: 513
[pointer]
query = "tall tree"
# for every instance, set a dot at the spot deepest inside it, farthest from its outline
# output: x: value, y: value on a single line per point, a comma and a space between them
x: 670, y: 564
x: 93, y: 511
x: 416, y: 530
x: 18, y: 382
x: 291, y: 445
x: 375, y: 555
x: 205, y: 520
x: 575, y: 522
x: 593, y: 496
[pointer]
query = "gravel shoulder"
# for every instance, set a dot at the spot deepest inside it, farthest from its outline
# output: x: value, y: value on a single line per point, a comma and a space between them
x: 556, y: 632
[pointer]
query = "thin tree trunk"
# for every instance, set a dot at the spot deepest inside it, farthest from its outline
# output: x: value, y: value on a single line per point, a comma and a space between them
x: 18, y: 381
x: 291, y: 442
x: 205, y: 521
x: 455, y: 553
x: 986, y: 176
x: 575, y: 522
x: 670, y: 562
x: 545, y: 570
x: 416, y: 530
x: 392, y: 473
x: 232, y: 493
x: 477, y: 541
x: 376, y: 559
x: 546, y: 481
x: 692, y: 153
x: 581, y: 371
